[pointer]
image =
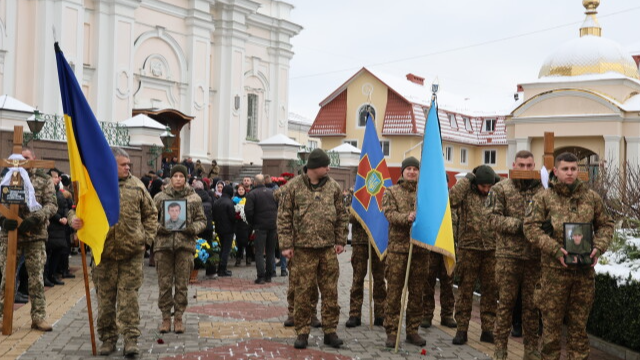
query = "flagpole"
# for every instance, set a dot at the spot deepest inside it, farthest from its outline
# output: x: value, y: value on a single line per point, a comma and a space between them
x: 370, y: 288
x: 404, y: 300
x: 86, y: 278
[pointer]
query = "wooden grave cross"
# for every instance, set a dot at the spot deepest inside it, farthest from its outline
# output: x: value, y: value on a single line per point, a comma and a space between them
x: 12, y: 213
x: 548, y: 162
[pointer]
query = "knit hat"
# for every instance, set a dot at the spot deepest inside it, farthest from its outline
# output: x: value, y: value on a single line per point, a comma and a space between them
x: 410, y: 161
x: 577, y: 231
x: 318, y: 158
x: 179, y: 168
x: 485, y: 175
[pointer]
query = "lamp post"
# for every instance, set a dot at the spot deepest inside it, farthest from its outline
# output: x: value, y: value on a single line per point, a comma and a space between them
x: 155, y: 151
x: 35, y: 123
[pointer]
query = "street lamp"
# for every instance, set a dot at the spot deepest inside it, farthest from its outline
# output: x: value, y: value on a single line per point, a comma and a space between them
x: 36, y: 123
x: 155, y: 151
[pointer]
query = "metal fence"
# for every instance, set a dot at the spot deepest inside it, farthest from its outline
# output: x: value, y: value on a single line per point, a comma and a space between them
x: 54, y: 129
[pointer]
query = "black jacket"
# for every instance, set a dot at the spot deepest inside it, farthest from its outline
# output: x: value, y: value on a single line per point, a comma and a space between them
x: 57, y: 231
x: 224, y: 213
x: 261, y: 208
x: 207, y: 205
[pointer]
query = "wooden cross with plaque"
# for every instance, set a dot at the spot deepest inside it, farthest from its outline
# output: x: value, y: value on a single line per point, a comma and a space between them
x: 548, y: 162
x: 12, y: 213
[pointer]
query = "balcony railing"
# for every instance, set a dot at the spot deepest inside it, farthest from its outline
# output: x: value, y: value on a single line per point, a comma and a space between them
x: 54, y: 129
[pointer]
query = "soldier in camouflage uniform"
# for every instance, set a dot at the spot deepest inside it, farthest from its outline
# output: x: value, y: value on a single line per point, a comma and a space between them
x: 476, y: 252
x: 119, y: 276
x: 174, y: 250
x: 360, y: 262
x: 438, y: 270
x: 32, y: 234
x: 517, y: 261
x: 566, y: 291
x: 311, y: 227
x: 398, y: 204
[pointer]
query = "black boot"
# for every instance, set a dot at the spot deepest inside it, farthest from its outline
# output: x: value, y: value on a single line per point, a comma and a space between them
x: 353, y: 321
x: 332, y: 340
x: 516, y: 331
x: 460, y: 338
x: 302, y: 341
x: 487, y: 336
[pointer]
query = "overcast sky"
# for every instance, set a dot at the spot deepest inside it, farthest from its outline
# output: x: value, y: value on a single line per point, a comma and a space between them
x: 475, y: 48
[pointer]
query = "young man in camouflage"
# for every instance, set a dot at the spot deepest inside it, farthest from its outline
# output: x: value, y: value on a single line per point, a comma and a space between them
x: 119, y: 276
x: 476, y: 252
x: 398, y: 204
x: 517, y: 261
x: 32, y: 235
x: 311, y: 227
x: 566, y: 291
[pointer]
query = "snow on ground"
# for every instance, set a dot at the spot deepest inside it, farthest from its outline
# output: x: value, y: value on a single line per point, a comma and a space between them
x: 618, y: 265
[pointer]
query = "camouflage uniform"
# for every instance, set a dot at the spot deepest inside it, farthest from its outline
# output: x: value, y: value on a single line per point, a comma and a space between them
x: 32, y: 245
x: 397, y: 202
x: 360, y: 262
x: 174, y: 251
x: 311, y: 221
x: 119, y: 276
x: 476, y: 255
x: 447, y: 301
x: 517, y: 261
x: 572, y: 287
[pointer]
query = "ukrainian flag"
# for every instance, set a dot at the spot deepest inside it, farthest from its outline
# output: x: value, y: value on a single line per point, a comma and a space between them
x: 371, y: 181
x: 92, y: 163
x: 432, y: 228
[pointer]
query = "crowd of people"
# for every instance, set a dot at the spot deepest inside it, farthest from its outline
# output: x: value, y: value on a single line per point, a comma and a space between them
x: 510, y: 236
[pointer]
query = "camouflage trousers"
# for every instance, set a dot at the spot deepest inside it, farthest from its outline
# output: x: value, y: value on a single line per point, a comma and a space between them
x: 360, y: 264
x: 117, y: 283
x: 570, y: 293
x: 173, y: 269
x: 311, y: 267
x: 474, y: 264
x: 35, y: 256
x: 291, y: 290
x: 512, y: 275
x: 447, y: 301
x: 395, y: 271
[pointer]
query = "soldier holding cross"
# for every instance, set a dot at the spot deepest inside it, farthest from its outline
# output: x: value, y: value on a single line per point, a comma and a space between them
x: 32, y: 234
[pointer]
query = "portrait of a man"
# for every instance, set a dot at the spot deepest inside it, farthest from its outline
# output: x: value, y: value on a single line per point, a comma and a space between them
x: 578, y: 243
x: 175, y: 215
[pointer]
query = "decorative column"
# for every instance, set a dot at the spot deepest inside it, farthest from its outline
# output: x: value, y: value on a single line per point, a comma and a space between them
x: 612, y: 150
x: 633, y: 151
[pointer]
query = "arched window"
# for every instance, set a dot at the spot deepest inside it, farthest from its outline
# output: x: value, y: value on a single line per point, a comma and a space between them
x: 362, y: 114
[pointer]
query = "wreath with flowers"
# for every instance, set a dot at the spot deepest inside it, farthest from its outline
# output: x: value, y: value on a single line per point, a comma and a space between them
x: 206, y: 254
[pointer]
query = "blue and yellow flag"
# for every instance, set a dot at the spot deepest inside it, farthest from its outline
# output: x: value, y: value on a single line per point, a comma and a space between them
x: 91, y: 160
x: 372, y: 180
x: 432, y: 228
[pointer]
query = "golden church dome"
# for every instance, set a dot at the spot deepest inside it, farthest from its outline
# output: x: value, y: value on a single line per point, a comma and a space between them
x: 590, y: 53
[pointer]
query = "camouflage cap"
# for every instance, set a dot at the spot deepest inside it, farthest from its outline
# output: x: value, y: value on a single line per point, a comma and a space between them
x: 577, y: 231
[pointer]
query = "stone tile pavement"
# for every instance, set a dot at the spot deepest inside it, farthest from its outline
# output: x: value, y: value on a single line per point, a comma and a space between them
x: 228, y: 318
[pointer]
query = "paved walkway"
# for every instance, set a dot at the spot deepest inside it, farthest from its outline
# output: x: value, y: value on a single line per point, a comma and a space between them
x: 228, y: 318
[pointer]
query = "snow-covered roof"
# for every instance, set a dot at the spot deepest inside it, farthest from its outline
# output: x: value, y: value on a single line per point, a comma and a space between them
x: 279, y: 139
x: 346, y: 148
x: 142, y: 120
x: 299, y: 119
x: 10, y: 103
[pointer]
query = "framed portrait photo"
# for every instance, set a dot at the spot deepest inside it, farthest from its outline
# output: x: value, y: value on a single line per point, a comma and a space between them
x: 175, y: 214
x: 578, y: 241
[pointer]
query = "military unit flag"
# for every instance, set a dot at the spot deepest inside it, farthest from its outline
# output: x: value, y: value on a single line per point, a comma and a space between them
x: 372, y: 180
x: 91, y: 160
x: 432, y: 228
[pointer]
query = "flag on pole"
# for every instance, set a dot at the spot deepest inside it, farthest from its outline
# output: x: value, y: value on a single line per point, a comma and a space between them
x: 371, y: 181
x: 432, y: 228
x: 91, y: 160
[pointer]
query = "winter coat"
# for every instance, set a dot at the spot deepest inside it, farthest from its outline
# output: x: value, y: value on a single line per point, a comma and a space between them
x: 168, y: 240
x: 261, y: 208
x: 57, y: 231
x: 224, y: 213
x: 473, y: 232
x: 397, y: 202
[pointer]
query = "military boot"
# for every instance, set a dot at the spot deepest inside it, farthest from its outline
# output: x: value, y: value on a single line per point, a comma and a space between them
x: 487, y: 336
x: 178, y: 325
x: 107, y: 348
x: 448, y: 322
x: 333, y: 340
x: 41, y: 325
x: 416, y: 339
x: 315, y: 322
x: 353, y: 321
x: 131, y: 348
x: 460, y: 338
x: 426, y: 323
x: 289, y: 322
x: 302, y: 341
x: 499, y: 354
x: 165, y: 327
x: 391, y: 341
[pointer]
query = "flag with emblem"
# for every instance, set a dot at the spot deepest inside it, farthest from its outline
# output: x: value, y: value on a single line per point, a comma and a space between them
x: 372, y: 180
x: 432, y: 228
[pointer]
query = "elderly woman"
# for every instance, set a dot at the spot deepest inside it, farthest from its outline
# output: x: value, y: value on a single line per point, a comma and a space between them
x: 173, y: 250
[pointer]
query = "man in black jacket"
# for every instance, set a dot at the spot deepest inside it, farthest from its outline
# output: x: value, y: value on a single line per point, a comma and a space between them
x: 261, y: 210
x: 224, y: 217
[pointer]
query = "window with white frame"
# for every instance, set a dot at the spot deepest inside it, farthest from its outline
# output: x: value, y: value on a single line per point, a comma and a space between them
x: 452, y: 121
x: 463, y: 156
x: 467, y: 124
x: 490, y: 157
x: 386, y: 147
x: 252, y: 117
x: 363, y: 112
x: 312, y: 144
x: 448, y: 153
x: 353, y: 143
x: 490, y: 125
